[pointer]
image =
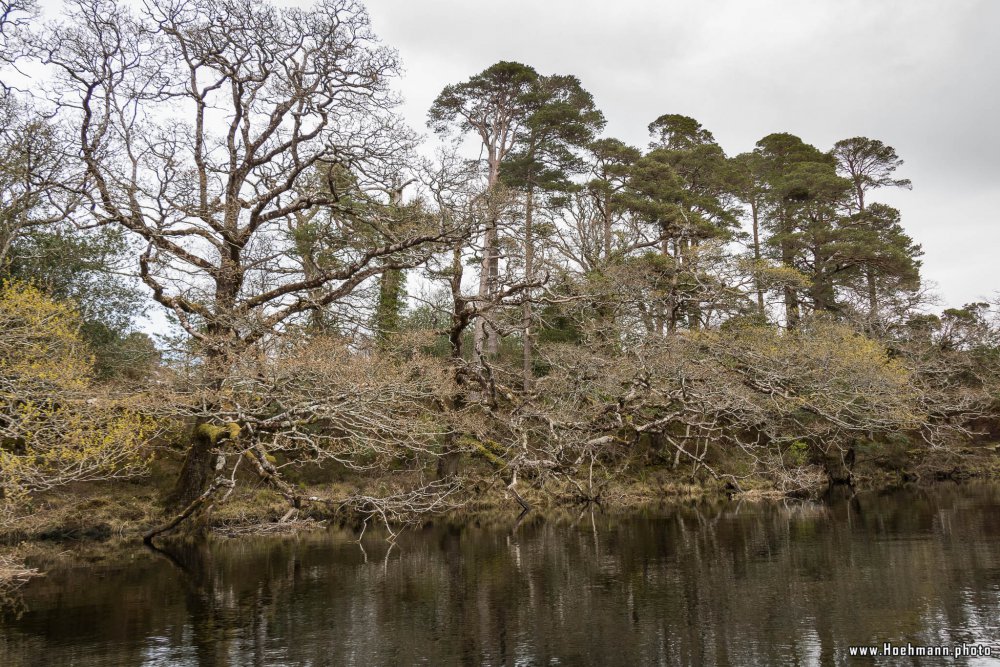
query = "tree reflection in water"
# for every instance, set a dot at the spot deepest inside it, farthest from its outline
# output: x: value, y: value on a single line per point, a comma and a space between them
x: 723, y: 583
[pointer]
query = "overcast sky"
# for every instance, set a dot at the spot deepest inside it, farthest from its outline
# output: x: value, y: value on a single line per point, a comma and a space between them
x: 919, y: 75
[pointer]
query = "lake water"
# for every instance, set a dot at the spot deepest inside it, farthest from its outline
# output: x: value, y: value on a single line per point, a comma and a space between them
x: 714, y: 583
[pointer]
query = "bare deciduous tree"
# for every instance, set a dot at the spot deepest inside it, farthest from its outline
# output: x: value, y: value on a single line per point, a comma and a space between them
x: 203, y: 127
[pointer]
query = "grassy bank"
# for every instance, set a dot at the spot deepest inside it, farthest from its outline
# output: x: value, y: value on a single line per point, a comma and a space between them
x: 125, y: 509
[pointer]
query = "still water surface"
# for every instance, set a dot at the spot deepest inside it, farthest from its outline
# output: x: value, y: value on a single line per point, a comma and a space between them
x: 717, y: 583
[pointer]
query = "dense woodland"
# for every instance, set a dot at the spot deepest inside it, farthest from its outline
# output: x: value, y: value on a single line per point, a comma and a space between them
x: 507, y: 301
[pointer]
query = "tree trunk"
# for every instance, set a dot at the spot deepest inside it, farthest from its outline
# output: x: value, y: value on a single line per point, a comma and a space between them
x: 872, y: 293
x: 672, y: 300
x: 694, y: 309
x: 486, y: 340
x: 837, y: 471
x: 390, y: 304
x: 390, y: 288
x: 196, y: 473
x: 199, y: 469
x: 607, y: 229
x: 448, y: 462
x: 788, y: 259
x: 756, y: 255
x: 529, y: 269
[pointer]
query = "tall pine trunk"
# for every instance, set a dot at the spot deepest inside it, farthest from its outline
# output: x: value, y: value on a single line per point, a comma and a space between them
x: 529, y: 269
x: 486, y: 341
x: 792, y: 315
x: 756, y: 256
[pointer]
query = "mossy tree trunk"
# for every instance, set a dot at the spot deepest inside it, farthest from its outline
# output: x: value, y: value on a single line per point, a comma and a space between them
x: 390, y: 304
x: 199, y: 469
x: 392, y: 284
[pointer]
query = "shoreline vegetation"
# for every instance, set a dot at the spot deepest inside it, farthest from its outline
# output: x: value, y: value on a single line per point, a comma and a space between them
x: 373, y: 327
x: 102, y: 511
x: 98, y: 523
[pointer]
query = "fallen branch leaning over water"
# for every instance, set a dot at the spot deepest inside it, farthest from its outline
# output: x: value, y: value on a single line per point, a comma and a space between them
x: 13, y: 572
x: 14, y: 575
x: 403, y: 508
x: 284, y: 527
